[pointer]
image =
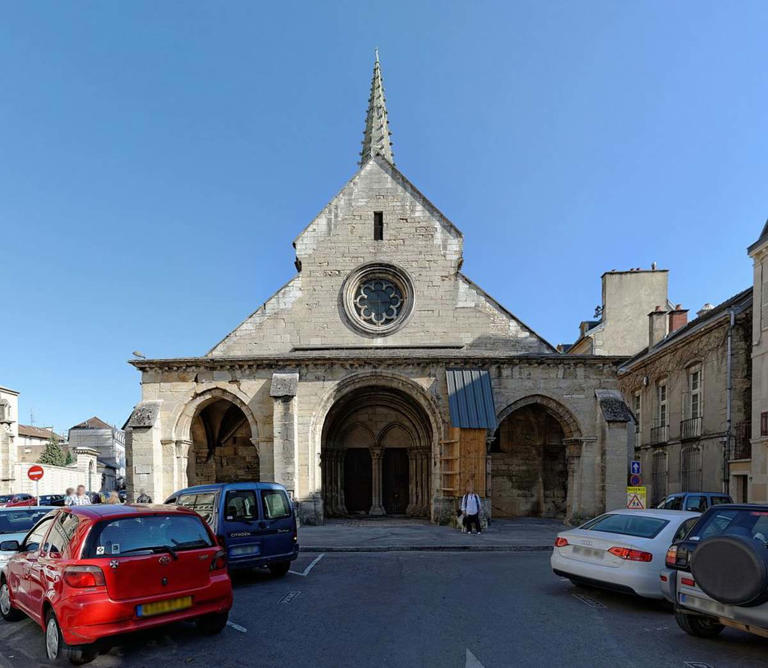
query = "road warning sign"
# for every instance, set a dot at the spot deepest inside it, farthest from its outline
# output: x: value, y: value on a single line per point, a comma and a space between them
x: 636, y: 499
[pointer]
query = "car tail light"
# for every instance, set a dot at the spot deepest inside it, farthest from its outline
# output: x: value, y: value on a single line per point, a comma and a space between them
x: 84, y: 576
x: 631, y: 555
x: 663, y: 578
x: 561, y: 542
x: 219, y: 561
x: 671, y: 559
x: 688, y: 582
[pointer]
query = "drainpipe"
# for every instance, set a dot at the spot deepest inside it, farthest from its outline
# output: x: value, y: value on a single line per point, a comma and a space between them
x: 728, y: 401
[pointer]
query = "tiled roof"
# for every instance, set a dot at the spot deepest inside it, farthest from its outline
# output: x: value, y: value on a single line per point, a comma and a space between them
x: 93, y: 423
x: 36, y: 432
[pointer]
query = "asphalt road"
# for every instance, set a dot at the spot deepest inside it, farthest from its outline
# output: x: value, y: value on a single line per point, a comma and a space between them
x: 420, y: 609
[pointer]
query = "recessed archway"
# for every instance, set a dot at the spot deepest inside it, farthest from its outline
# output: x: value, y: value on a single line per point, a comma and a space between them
x: 375, y: 454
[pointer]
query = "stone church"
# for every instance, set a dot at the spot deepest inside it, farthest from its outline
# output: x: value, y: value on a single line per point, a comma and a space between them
x: 380, y: 380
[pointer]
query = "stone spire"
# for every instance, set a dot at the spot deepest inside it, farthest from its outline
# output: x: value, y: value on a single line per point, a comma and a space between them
x: 376, y: 135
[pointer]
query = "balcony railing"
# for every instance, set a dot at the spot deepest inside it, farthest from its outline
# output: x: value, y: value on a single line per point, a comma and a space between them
x: 659, y: 434
x: 742, y: 445
x: 690, y: 428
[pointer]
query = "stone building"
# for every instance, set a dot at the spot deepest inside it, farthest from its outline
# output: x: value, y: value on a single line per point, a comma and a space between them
x: 32, y: 440
x: 109, y: 442
x: 690, y: 391
x: 9, y: 432
x: 758, y: 464
x: 363, y: 384
x: 619, y: 327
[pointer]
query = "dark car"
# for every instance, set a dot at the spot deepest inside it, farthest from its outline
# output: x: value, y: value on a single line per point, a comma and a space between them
x: 717, y: 575
x: 255, y: 521
x: 696, y: 502
x: 51, y: 500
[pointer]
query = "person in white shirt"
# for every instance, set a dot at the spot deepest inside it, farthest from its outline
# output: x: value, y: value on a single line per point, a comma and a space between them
x: 470, y: 506
x: 81, y: 499
x: 69, y: 497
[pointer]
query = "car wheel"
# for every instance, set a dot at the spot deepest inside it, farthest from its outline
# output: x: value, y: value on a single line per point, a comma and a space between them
x: 280, y: 568
x: 210, y: 625
x: 58, y: 651
x: 7, y: 611
x: 701, y: 627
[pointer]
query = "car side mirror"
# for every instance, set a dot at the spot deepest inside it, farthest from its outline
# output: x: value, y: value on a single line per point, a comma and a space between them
x: 9, y: 546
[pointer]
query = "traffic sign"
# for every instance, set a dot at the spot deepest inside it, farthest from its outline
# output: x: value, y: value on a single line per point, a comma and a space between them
x: 635, y: 481
x: 634, y: 468
x: 35, y: 472
x: 636, y: 498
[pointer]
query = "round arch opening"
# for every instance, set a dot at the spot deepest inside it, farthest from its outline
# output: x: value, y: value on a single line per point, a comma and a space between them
x: 375, y: 447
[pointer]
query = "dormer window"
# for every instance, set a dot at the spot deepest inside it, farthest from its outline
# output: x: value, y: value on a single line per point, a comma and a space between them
x: 378, y: 225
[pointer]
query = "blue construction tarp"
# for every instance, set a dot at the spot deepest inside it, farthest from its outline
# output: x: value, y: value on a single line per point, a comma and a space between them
x: 470, y: 399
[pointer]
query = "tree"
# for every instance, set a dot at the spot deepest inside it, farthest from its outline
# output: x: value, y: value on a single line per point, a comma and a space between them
x: 53, y: 453
x: 69, y: 460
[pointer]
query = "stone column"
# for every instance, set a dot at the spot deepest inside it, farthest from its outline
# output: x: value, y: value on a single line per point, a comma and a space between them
x: 377, y: 507
x: 410, y: 510
x: 573, y: 495
x: 285, y: 428
x: 144, y: 452
x: 329, y: 480
x: 7, y: 458
x: 426, y: 469
x: 342, y: 506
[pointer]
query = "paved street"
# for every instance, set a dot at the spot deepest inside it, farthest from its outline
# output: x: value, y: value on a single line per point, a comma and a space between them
x: 420, y: 609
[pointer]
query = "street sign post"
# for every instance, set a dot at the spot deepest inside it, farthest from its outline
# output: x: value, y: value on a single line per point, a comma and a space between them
x: 636, y: 498
x: 634, y: 468
x: 35, y: 473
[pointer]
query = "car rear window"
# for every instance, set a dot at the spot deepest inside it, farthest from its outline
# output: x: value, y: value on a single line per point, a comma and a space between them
x: 276, y: 504
x: 146, y: 533
x: 733, y: 522
x: 627, y: 524
x: 719, y: 500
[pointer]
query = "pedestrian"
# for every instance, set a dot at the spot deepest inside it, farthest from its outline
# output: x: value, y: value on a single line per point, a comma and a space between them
x: 69, y: 497
x: 81, y: 498
x: 113, y: 497
x: 143, y: 497
x: 470, y: 506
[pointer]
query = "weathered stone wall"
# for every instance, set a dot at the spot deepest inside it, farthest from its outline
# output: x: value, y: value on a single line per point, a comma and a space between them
x: 758, y: 491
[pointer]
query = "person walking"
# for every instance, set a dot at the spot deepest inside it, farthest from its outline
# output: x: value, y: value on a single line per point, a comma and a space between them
x: 69, y: 497
x: 81, y: 498
x: 470, y: 507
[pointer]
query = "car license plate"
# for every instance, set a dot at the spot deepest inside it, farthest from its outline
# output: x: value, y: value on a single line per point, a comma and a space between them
x: 240, y: 550
x: 590, y: 552
x: 163, y: 607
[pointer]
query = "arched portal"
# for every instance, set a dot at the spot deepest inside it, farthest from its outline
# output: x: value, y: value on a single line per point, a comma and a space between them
x: 529, y: 463
x: 375, y: 454
x: 222, y: 449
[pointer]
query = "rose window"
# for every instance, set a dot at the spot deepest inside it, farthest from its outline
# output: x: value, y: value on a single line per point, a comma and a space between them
x: 378, y: 301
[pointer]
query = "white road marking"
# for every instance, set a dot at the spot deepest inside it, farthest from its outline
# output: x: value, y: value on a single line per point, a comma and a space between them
x: 306, y: 571
x: 591, y: 602
x: 237, y: 627
x: 471, y: 661
x: 290, y: 596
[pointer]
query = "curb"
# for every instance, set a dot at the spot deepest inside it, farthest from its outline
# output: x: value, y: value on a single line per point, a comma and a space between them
x: 428, y: 548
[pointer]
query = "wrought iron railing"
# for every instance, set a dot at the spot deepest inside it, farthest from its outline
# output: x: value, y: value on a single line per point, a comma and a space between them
x: 659, y: 433
x: 690, y: 428
x: 741, y: 446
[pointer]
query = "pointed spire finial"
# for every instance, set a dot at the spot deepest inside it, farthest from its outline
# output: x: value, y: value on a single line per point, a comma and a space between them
x: 376, y: 135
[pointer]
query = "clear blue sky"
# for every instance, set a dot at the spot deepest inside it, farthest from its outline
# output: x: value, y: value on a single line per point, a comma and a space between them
x: 158, y: 158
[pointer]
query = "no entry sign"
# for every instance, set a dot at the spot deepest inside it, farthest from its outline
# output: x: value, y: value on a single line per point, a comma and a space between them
x: 35, y: 472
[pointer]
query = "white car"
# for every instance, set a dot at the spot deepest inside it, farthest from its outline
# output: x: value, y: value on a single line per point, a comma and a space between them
x: 15, y: 522
x: 622, y: 550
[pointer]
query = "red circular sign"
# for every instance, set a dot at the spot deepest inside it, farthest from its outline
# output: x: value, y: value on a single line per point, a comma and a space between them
x: 35, y: 472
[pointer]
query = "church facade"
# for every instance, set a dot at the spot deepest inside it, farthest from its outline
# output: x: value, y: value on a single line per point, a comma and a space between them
x: 381, y: 380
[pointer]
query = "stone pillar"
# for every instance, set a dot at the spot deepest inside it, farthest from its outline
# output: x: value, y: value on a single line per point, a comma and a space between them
x: 410, y: 510
x: 144, y: 452
x: 284, y: 431
x: 377, y: 507
x: 7, y: 458
x: 331, y: 479
x: 422, y: 470
x: 573, y: 448
x: 339, y: 468
x: 182, y: 463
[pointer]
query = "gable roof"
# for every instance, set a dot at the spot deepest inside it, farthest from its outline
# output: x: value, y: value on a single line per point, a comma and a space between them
x: 93, y: 423
x: 37, y: 432
x: 763, y: 237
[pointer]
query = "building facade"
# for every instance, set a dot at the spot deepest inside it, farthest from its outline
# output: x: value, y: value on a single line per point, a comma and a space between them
x: 690, y: 392
x: 9, y: 433
x: 32, y: 440
x: 358, y: 384
x: 109, y: 442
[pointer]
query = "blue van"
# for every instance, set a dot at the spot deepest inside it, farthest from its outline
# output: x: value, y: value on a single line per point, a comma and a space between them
x: 254, y: 521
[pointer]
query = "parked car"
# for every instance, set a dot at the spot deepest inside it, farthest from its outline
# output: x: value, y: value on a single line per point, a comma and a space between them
x: 622, y: 550
x: 696, y: 502
x: 717, y: 575
x: 13, y: 500
x: 86, y: 573
x: 16, y: 522
x: 255, y: 521
x: 51, y: 500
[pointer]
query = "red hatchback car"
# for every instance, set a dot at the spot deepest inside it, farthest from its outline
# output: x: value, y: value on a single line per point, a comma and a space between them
x: 12, y: 500
x: 86, y: 573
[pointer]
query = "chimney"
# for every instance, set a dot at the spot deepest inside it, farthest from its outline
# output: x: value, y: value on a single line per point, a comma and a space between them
x: 657, y: 326
x: 704, y: 309
x: 678, y: 317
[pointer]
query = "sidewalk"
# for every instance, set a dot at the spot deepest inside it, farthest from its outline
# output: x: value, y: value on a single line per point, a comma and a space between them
x: 393, y: 535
